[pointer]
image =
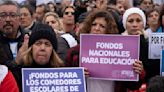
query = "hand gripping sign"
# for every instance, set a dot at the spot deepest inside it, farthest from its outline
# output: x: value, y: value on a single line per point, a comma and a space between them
x: 109, y: 57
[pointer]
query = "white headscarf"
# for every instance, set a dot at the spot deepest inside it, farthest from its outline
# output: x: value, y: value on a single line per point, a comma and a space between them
x: 133, y: 10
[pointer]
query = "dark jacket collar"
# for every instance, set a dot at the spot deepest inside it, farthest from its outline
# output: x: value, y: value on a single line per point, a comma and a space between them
x: 19, y: 37
x: 35, y: 65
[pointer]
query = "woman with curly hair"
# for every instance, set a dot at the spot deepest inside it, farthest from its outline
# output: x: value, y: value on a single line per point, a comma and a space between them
x: 101, y: 22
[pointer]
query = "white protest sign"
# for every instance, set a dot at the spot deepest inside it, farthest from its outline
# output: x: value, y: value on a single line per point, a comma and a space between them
x: 53, y: 80
x: 156, y: 44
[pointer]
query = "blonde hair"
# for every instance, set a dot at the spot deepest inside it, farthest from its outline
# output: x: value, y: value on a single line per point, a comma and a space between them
x: 55, y: 61
x: 55, y: 15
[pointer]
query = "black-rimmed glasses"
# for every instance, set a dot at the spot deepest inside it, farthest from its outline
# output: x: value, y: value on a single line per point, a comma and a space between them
x: 4, y: 15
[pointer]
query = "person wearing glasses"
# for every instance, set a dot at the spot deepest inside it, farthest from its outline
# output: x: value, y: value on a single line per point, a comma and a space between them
x: 68, y: 18
x: 11, y: 35
x: 69, y: 38
x: 27, y: 18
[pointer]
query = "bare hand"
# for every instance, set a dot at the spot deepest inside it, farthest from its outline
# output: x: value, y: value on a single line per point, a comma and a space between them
x: 86, y: 72
x: 23, y: 50
x: 138, y: 67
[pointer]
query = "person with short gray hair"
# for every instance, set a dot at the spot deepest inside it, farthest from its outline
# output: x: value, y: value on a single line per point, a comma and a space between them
x: 11, y: 35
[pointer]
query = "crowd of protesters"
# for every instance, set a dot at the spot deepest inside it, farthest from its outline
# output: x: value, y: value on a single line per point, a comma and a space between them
x: 46, y: 34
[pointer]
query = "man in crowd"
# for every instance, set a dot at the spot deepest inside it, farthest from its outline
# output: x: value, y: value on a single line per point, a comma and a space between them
x: 11, y: 36
x: 68, y: 39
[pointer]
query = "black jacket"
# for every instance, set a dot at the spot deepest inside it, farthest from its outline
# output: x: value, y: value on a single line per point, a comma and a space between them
x: 151, y: 66
x: 6, y: 57
x: 63, y: 45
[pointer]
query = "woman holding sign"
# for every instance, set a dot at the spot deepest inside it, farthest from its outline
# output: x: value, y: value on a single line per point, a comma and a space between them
x: 102, y: 22
x: 39, y: 50
x: 134, y: 22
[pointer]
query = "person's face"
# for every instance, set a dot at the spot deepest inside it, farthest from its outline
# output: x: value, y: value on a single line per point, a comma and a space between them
x: 68, y: 16
x: 41, y: 51
x: 50, y: 20
x: 9, y: 20
x: 153, y: 18
x: 120, y: 8
x: 51, y: 7
x: 39, y: 13
x: 77, y: 3
x: 146, y: 4
x: 134, y: 24
x: 98, y: 26
x: 25, y: 17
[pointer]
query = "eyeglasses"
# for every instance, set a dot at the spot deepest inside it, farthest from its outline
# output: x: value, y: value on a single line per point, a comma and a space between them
x: 72, y: 13
x: 12, y: 15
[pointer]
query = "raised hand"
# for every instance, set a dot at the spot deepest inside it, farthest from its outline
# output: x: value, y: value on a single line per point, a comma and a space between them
x: 23, y: 50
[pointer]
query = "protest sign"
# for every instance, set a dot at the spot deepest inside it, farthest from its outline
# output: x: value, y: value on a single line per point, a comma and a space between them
x: 53, y: 80
x: 109, y: 57
x: 156, y: 44
x: 162, y: 63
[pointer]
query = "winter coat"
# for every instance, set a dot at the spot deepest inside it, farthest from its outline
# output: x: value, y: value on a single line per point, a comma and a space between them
x: 6, y: 55
x: 7, y: 80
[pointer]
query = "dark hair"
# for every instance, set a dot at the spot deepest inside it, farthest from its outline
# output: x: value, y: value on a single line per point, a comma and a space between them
x: 53, y: 5
x: 82, y: 17
x: 149, y: 11
x: 29, y: 8
x: 75, y: 13
x: 143, y: 0
x: 112, y: 2
x: 156, y: 84
x: 63, y: 10
x: 116, y: 15
x: 111, y: 24
x: 46, y: 9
